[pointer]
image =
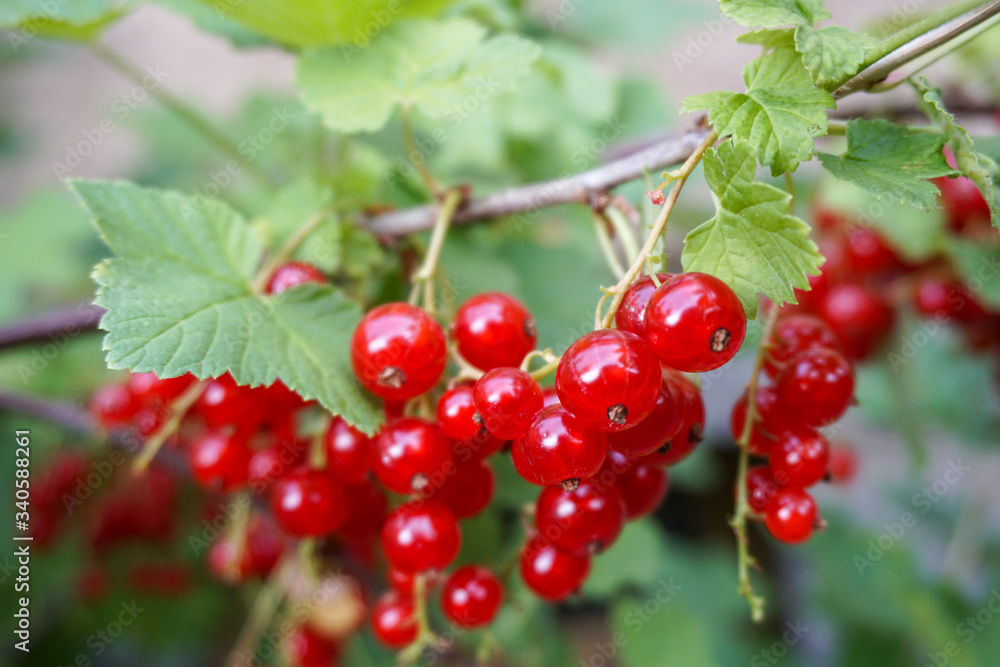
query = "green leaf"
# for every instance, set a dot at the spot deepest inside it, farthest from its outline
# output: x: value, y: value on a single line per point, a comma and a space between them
x: 779, y: 114
x: 179, y: 299
x: 635, y: 559
x: 307, y: 23
x: 769, y: 38
x: 25, y: 13
x: 978, y: 264
x: 831, y: 54
x: 890, y: 160
x: 434, y: 66
x: 774, y: 13
x: 644, y: 630
x: 752, y: 243
x: 980, y: 168
x: 208, y: 18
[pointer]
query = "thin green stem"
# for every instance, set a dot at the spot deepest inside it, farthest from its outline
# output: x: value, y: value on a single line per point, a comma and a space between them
x: 415, y: 157
x: 182, y: 110
x: 262, y: 611
x: 425, y: 634
x: 623, y: 230
x: 425, y: 274
x: 287, y: 250
x: 790, y: 187
x: 659, y: 225
x: 738, y: 522
x: 607, y: 247
x: 178, y: 408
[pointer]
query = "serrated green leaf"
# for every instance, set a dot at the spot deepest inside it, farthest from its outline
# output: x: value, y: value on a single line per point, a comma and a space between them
x: 179, y: 299
x: 752, y: 243
x: 307, y: 23
x: 779, y: 114
x: 434, y: 66
x: 889, y: 160
x: 25, y: 13
x: 774, y: 13
x: 833, y: 53
x: 769, y: 38
x: 980, y: 168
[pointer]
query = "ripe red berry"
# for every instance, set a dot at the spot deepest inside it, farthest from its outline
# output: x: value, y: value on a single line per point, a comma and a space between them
x: 401, y: 582
x: 147, y: 389
x: 861, y: 319
x: 793, y: 334
x: 479, y: 447
x: 558, y: 449
x: 307, y: 648
x: 368, y: 509
x: 816, y: 387
x: 467, y: 490
x: 551, y: 573
x: 682, y: 444
x: 507, y: 400
x: 393, y: 620
x: 659, y: 426
x: 264, y: 468
x: 832, y: 273
x: 224, y: 403
x: 293, y: 274
x: 398, y: 351
x: 421, y: 535
x: 695, y: 322
x: 963, y: 201
x: 643, y: 488
x: 771, y: 420
x: 761, y: 487
x: 409, y: 452
x: 456, y: 413
x: 791, y: 515
x: 843, y: 464
x: 308, y: 503
x: 220, y: 461
x: 493, y: 330
x: 348, y: 452
x: 549, y: 397
x: 945, y: 299
x: 608, y: 379
x: 471, y: 597
x: 799, y: 458
x: 582, y: 520
x: 631, y: 315
x: 867, y: 252
x: 112, y: 405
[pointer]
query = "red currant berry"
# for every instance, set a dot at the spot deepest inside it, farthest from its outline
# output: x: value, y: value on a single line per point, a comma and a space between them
x: 608, y: 379
x: 867, y: 252
x: 643, y: 489
x: 761, y: 487
x: 816, y: 387
x: 264, y: 546
x: 393, y: 620
x: 659, y: 426
x: 308, y: 503
x: 409, y: 452
x: 507, y: 400
x: 558, y: 449
x: 799, y: 458
x: 832, y: 273
x: 112, y: 405
x: 860, y: 319
x: 471, y: 597
x: 549, y: 397
x: 348, y: 452
x: 791, y: 515
x: 695, y: 322
x: 293, y: 274
x: 367, y: 512
x: 398, y: 351
x: 467, y: 490
x: 584, y: 519
x: 401, y: 582
x: 963, y: 201
x: 224, y: 403
x: 480, y: 447
x: 551, y: 573
x: 493, y: 330
x: 631, y: 315
x: 307, y: 648
x: 421, y: 535
x: 147, y: 389
x: 264, y: 467
x: 794, y: 334
x: 682, y: 444
x: 770, y: 420
x: 843, y: 464
x: 220, y: 461
x: 456, y: 413
x: 946, y: 299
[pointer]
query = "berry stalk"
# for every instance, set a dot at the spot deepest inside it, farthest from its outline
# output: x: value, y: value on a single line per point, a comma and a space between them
x: 425, y: 274
x: 178, y: 408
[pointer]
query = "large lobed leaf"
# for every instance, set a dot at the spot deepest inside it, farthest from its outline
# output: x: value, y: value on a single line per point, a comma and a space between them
x: 980, y: 168
x: 889, y: 160
x: 435, y: 66
x: 774, y: 13
x: 753, y: 243
x: 780, y: 113
x: 179, y: 299
x: 831, y: 54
